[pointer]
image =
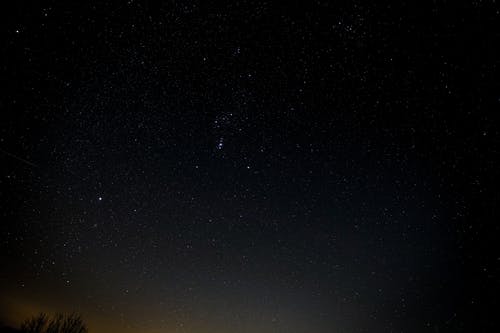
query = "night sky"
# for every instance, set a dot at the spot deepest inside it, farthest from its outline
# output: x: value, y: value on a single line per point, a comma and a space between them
x: 251, y: 167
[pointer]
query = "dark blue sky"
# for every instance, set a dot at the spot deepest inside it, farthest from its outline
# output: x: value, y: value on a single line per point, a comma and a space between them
x: 250, y: 167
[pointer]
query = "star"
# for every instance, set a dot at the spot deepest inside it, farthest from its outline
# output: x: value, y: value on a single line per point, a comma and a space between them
x: 220, y: 144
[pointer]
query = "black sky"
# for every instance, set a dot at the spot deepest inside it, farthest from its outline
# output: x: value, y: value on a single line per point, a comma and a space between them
x: 251, y: 167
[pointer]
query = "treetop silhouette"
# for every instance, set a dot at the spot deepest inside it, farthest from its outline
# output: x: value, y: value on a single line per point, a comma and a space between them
x: 59, y: 323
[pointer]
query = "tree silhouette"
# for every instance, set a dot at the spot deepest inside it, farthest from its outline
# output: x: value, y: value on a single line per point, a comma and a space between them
x: 72, y: 323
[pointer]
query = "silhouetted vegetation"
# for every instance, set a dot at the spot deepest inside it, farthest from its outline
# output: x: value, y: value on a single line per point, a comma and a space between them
x: 59, y: 323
